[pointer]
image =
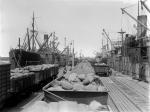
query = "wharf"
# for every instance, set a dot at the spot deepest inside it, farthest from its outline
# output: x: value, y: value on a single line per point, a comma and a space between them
x: 127, y: 94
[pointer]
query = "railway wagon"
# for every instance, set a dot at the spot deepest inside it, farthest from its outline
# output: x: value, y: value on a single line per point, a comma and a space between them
x: 4, y: 82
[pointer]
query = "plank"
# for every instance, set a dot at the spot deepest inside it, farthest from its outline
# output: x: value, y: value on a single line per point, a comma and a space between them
x: 136, y: 99
x: 122, y: 103
x: 133, y: 87
x: 112, y: 105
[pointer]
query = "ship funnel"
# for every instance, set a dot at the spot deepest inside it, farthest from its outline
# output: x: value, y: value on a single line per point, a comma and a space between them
x: 46, y: 39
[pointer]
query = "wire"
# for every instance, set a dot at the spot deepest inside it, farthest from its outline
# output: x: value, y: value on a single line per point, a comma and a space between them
x: 130, y: 6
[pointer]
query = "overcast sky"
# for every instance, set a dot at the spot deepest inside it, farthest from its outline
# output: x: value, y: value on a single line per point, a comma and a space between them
x: 78, y: 20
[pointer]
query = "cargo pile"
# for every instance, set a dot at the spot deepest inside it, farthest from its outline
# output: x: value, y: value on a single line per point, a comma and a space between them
x: 66, y: 106
x: 81, y: 78
x: 39, y: 67
x: 31, y: 78
x: 83, y: 68
x: 64, y: 70
x: 28, y: 70
x: 19, y: 73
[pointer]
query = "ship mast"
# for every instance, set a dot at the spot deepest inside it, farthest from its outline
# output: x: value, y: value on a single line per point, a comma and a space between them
x: 33, y: 41
x: 28, y: 40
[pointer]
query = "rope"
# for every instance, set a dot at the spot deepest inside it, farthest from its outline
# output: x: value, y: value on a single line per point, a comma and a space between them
x: 130, y: 6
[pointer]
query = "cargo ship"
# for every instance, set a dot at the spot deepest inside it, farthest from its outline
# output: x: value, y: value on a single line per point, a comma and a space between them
x: 28, y: 54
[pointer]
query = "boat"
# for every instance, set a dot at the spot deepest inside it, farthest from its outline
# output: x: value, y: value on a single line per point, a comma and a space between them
x: 25, y: 55
x: 47, y: 52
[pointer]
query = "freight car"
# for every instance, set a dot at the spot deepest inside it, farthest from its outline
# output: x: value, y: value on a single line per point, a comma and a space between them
x: 31, y: 78
x: 4, y: 82
x: 23, y: 81
x: 102, y: 69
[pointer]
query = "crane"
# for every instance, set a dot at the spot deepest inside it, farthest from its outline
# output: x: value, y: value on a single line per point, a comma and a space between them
x: 45, y: 42
x: 124, y: 11
x: 143, y: 4
x: 112, y: 46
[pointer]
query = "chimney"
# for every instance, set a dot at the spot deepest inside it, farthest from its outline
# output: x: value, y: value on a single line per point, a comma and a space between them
x: 46, y: 39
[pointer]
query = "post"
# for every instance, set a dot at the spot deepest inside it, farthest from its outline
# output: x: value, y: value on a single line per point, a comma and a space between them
x: 33, y: 33
x: 148, y: 54
x: 19, y: 43
x: 66, y: 52
x: 65, y: 43
x: 28, y: 40
x: 122, y: 50
x: 73, y: 54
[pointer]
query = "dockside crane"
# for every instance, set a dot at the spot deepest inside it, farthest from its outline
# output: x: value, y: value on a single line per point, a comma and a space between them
x: 145, y: 5
x: 108, y: 38
x: 124, y: 11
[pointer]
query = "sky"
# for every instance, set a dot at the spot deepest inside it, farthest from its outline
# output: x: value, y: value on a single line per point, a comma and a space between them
x: 78, y: 20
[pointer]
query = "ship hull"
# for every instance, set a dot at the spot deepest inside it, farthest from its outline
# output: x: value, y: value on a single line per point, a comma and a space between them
x: 21, y: 58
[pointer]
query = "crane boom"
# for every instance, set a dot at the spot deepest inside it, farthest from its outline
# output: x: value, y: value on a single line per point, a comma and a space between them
x: 123, y: 11
x: 44, y: 43
x: 37, y: 40
x: 112, y: 46
x: 143, y: 3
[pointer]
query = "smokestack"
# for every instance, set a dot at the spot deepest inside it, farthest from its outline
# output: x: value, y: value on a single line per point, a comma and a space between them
x: 46, y: 39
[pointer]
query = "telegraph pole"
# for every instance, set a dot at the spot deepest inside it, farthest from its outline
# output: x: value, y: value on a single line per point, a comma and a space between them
x: 122, y: 49
x: 65, y: 42
x: 19, y: 43
x: 122, y: 33
x: 73, y: 54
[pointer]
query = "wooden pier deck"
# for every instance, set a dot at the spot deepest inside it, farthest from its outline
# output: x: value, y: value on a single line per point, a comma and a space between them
x: 127, y: 95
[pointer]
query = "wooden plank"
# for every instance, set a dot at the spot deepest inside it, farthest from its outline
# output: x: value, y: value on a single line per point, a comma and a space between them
x: 133, y: 87
x: 134, y: 97
x: 112, y: 105
x: 123, y: 104
x: 142, y: 84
